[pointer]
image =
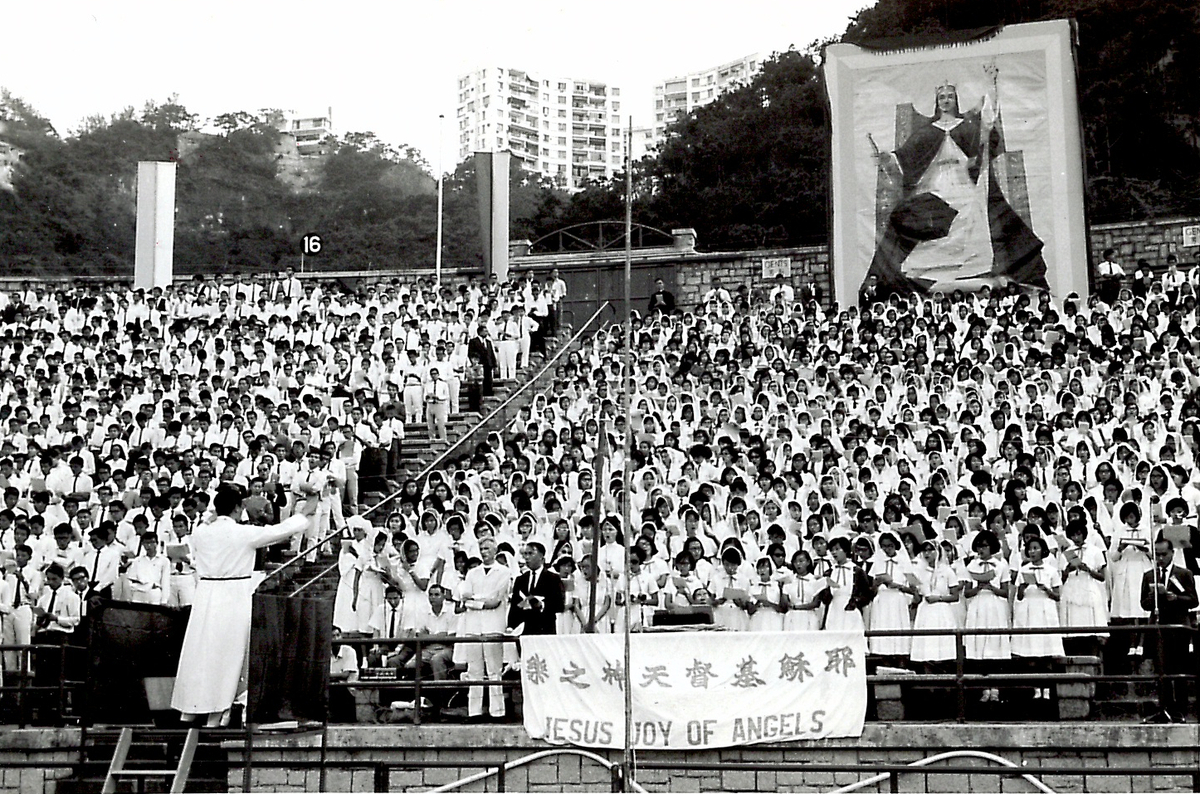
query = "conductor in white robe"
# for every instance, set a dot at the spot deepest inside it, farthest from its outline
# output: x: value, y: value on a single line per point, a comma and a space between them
x: 218, y: 633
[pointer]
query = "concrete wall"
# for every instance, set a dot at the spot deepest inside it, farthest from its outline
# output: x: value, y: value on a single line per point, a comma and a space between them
x: 1171, y: 749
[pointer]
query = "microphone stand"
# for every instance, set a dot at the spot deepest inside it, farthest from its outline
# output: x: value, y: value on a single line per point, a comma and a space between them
x: 1161, y: 714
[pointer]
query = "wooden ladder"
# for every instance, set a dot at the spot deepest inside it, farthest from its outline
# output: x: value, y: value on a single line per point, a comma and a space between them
x: 178, y: 776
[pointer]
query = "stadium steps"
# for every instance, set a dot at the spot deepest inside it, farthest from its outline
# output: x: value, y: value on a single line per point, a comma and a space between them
x: 151, y: 749
x: 418, y: 451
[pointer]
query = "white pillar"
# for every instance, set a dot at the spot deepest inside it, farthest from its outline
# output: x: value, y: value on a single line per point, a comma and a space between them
x: 153, y: 264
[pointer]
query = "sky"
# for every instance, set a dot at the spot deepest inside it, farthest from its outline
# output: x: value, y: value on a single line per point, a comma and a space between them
x: 385, y: 67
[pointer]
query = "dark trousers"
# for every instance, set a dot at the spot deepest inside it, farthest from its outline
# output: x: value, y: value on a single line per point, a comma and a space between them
x: 1174, y: 659
x: 474, y: 392
x: 393, y: 460
x: 1109, y: 288
x: 49, y: 670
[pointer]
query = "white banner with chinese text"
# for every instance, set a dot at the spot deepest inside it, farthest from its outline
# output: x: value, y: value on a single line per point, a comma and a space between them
x: 695, y: 689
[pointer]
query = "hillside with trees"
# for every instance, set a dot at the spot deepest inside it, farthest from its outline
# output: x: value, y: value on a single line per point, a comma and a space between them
x: 748, y: 170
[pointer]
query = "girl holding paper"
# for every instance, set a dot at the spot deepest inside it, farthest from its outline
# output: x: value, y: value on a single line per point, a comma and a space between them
x: 802, y: 596
x: 891, y: 569
x: 849, y: 590
x: 1129, y: 557
x: 767, y: 598
x: 1039, y: 587
x: 939, y: 590
x: 1084, y: 599
x: 730, y: 588
x: 987, y: 605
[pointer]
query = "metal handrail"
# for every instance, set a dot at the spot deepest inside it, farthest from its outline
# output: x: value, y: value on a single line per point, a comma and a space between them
x: 520, y: 390
x: 552, y: 361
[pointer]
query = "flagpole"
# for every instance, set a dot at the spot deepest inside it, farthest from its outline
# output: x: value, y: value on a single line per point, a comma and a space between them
x: 602, y: 453
x: 437, y: 257
x: 627, y: 401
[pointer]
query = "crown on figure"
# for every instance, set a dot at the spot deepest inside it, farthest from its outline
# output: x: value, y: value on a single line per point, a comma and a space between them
x: 947, y: 85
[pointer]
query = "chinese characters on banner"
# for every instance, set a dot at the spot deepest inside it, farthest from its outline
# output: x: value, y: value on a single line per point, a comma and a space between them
x: 696, y: 689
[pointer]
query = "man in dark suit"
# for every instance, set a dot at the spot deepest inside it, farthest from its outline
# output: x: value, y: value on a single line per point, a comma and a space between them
x: 481, y: 348
x: 1168, y: 594
x: 662, y: 300
x: 537, y: 595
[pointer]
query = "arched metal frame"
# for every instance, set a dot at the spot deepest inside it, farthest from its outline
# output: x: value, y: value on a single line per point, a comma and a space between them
x: 599, y: 236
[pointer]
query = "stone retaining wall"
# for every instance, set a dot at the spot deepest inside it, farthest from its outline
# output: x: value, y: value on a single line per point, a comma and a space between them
x: 1083, y: 746
x: 1171, y: 750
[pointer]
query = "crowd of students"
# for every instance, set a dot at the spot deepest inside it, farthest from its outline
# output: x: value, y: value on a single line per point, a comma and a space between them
x: 121, y: 411
x: 995, y: 460
x: 998, y: 460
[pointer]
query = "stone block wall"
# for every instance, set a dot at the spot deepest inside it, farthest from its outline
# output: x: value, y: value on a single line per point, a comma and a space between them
x: 809, y: 265
x: 1089, y: 748
x: 44, y: 747
x: 1149, y: 240
x: 1076, y: 753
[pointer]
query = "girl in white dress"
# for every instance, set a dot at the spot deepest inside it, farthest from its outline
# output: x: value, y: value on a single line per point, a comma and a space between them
x: 643, y: 592
x: 583, y: 588
x: 345, y: 617
x: 1039, y: 587
x: 730, y: 610
x: 566, y: 622
x: 890, y: 568
x: 802, y: 596
x: 939, y: 590
x: 371, y: 584
x: 1129, y: 559
x: 987, y: 605
x: 1084, y: 599
x: 959, y: 567
x: 848, y: 592
x: 767, y: 597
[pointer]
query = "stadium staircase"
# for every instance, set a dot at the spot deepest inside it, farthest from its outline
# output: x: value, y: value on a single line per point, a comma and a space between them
x: 318, y: 579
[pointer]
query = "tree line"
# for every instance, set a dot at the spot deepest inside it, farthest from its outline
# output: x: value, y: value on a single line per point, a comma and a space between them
x: 748, y: 170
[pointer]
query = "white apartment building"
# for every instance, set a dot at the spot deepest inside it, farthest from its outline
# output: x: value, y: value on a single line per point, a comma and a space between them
x: 310, y: 132
x: 566, y: 129
x: 678, y: 96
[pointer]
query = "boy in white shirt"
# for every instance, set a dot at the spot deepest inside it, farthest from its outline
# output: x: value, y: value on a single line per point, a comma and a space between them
x: 149, y: 575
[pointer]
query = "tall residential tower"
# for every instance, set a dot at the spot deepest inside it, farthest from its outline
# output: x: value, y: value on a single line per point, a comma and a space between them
x: 566, y: 129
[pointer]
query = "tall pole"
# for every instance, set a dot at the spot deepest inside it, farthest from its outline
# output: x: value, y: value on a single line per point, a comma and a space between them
x: 627, y: 402
x: 603, y: 453
x: 437, y: 259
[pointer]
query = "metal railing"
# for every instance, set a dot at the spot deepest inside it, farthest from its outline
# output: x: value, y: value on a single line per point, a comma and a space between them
x: 961, y: 682
x: 440, y: 459
x: 419, y: 684
x: 51, y: 700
